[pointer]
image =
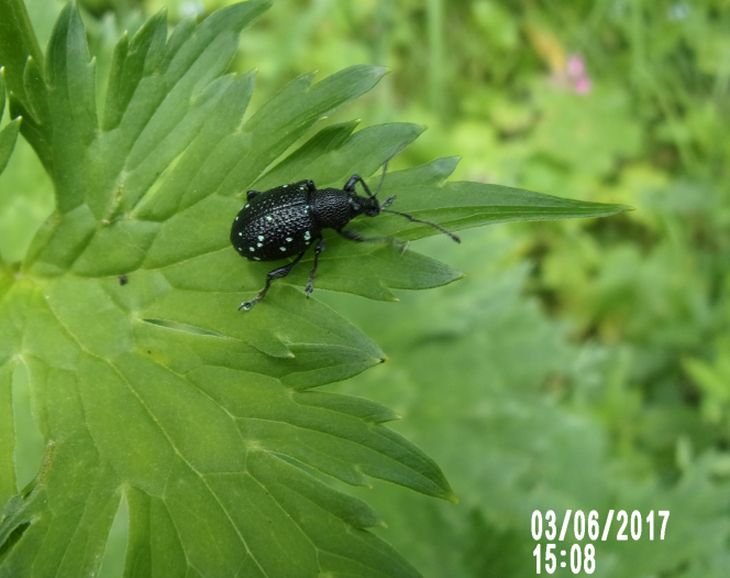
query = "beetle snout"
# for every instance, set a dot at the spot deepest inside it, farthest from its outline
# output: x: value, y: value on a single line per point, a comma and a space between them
x: 368, y: 206
x: 364, y: 206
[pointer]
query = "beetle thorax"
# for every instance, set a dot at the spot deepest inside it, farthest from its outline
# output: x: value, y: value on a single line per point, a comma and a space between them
x: 334, y: 208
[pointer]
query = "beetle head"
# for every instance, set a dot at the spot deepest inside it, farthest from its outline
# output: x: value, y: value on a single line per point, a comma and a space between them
x: 365, y: 205
x: 371, y: 207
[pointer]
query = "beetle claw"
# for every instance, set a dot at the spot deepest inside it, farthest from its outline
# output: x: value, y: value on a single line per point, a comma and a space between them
x: 247, y: 305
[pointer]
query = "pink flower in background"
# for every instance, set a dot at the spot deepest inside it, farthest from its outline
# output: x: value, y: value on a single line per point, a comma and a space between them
x: 576, y: 66
x: 577, y: 75
x: 582, y: 85
x: 574, y: 75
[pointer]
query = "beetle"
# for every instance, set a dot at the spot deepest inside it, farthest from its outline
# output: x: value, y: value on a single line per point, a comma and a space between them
x: 286, y: 220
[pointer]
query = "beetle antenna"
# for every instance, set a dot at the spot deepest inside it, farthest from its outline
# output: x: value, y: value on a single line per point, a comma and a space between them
x: 382, y: 178
x: 416, y: 220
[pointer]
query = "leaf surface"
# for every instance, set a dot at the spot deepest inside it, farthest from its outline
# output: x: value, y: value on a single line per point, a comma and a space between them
x: 152, y: 392
x: 9, y: 132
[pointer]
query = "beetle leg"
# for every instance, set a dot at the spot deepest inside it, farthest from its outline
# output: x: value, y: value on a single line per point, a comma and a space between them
x: 351, y: 182
x: 354, y: 179
x: 318, y: 248
x: 278, y: 273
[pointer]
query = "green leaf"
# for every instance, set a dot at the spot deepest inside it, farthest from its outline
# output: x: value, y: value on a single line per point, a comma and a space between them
x: 2, y: 91
x: 8, y: 133
x: 8, y: 136
x: 7, y: 481
x: 154, y: 394
x: 17, y: 44
x: 462, y: 205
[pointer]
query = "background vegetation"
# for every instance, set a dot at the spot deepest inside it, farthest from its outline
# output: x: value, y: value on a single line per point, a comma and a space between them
x: 583, y: 364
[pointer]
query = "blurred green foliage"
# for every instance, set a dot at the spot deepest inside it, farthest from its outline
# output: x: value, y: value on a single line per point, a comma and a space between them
x: 580, y: 364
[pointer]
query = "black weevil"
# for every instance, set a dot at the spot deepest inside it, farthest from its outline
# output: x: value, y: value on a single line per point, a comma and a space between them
x: 286, y: 220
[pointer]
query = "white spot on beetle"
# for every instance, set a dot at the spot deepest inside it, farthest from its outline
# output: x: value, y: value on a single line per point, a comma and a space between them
x: 240, y: 233
x: 259, y: 245
x: 236, y: 219
x: 240, y: 249
x: 251, y: 249
x: 307, y: 235
x: 269, y: 218
x: 282, y: 249
x: 285, y: 187
x: 257, y: 258
x: 260, y: 237
x: 246, y: 206
x: 289, y: 239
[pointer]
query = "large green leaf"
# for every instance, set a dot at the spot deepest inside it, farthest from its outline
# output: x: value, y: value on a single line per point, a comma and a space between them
x: 154, y: 395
